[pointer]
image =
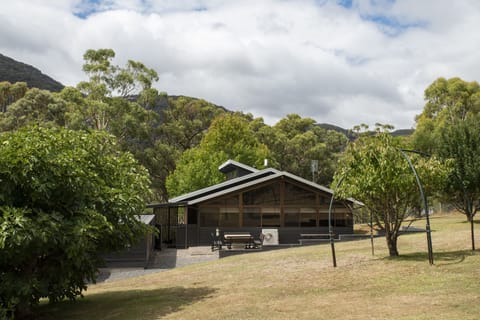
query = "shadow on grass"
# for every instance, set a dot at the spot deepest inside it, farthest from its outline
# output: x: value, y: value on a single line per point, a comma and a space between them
x: 128, y: 304
x: 466, y: 221
x: 440, y: 258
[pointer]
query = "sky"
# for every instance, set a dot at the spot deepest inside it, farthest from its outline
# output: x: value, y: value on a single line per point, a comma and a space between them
x: 343, y: 62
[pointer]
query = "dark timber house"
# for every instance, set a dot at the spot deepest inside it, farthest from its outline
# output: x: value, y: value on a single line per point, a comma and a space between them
x: 252, y: 200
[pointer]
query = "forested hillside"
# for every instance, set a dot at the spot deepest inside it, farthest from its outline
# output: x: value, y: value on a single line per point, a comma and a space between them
x: 15, y: 71
x: 178, y: 139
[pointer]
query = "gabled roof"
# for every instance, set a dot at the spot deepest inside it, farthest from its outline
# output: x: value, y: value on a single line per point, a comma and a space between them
x: 232, y: 164
x: 259, y: 180
x: 224, y: 185
x: 146, y: 218
x: 244, y: 182
x: 249, y: 180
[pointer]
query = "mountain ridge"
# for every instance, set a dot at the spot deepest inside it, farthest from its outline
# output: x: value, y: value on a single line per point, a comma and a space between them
x: 13, y: 71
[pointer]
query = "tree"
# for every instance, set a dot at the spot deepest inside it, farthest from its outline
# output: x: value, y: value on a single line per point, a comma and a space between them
x: 229, y: 137
x: 374, y: 172
x: 185, y: 122
x: 107, y: 79
x: 40, y: 107
x: 182, y: 126
x: 446, y: 102
x: 120, y: 101
x: 9, y: 93
x: 66, y: 198
x: 295, y: 141
x: 447, y: 128
x: 460, y: 145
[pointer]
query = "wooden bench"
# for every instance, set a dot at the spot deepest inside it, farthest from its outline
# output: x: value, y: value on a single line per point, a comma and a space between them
x: 314, y: 237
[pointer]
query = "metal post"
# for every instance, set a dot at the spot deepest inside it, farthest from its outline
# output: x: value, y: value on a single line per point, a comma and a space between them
x: 330, y: 227
x: 425, y: 204
x: 168, y: 225
x: 371, y: 232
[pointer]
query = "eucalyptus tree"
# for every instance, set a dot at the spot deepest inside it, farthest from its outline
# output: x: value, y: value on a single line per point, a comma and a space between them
x: 108, y: 79
x: 39, y: 107
x: 446, y: 102
x: 11, y: 92
x: 448, y: 127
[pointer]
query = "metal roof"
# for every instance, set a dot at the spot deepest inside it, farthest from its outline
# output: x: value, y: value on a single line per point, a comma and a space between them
x: 230, y: 164
x: 239, y: 183
x: 224, y: 185
x: 247, y: 182
x: 146, y: 218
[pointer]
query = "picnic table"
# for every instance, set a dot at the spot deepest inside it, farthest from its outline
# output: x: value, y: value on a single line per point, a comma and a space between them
x: 244, y: 238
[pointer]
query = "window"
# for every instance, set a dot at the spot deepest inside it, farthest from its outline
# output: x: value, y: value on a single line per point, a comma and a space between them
x: 323, y: 219
x: 192, y: 216
x: 308, y: 217
x: 295, y: 195
x: 268, y: 195
x: 270, y: 217
x: 209, y: 216
x: 343, y: 219
x: 292, y: 217
x: 229, y: 217
x: 252, y: 217
x: 227, y: 201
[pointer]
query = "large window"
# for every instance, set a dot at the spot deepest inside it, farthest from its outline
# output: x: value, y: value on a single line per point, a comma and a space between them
x: 219, y: 217
x: 308, y: 217
x: 292, y: 217
x: 303, y: 207
x: 229, y: 217
x: 294, y: 195
x: 343, y: 219
x: 270, y: 217
x: 226, y: 201
x: 209, y: 216
x: 267, y: 195
x: 323, y: 219
x: 252, y: 217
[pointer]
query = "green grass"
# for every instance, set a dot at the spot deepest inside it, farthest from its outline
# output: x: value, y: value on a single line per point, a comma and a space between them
x: 300, y: 283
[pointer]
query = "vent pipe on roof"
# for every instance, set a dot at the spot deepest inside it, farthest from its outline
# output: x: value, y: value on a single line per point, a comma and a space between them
x: 265, y: 163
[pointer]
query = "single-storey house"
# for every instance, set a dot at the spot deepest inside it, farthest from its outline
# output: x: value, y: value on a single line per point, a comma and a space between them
x: 252, y: 200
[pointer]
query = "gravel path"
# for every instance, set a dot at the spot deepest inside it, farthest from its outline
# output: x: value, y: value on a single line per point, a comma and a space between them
x: 163, y: 260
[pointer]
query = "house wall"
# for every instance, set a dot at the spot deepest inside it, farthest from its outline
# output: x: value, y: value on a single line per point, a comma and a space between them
x: 136, y: 256
x: 289, y: 206
x: 281, y: 203
x: 197, y: 236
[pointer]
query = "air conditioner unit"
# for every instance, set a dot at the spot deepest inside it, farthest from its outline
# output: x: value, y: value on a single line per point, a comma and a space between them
x: 270, y: 237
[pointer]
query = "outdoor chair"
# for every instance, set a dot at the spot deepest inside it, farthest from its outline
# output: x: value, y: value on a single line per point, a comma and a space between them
x: 258, y: 243
x: 216, y: 242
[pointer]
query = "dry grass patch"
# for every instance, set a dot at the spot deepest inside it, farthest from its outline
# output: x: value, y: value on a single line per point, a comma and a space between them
x: 300, y: 283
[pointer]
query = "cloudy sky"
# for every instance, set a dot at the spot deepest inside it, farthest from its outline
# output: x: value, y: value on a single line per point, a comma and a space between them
x: 343, y: 62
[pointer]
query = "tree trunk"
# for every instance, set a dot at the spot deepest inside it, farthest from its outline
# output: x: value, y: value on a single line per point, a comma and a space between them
x: 392, y: 244
x: 472, y: 232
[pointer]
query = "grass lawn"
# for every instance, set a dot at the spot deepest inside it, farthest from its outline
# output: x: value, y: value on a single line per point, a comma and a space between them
x: 300, y: 283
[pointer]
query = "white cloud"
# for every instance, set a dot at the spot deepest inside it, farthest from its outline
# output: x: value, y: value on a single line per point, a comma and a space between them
x: 364, y: 64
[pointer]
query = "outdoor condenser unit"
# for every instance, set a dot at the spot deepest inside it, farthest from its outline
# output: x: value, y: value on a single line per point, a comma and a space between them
x: 270, y: 237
